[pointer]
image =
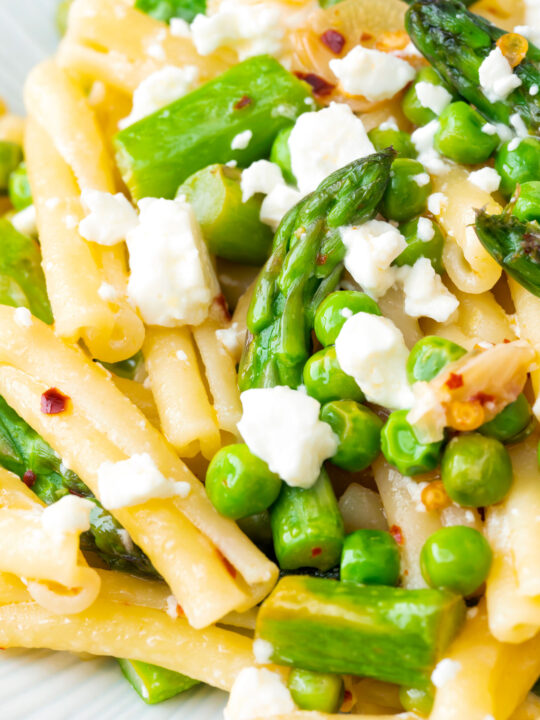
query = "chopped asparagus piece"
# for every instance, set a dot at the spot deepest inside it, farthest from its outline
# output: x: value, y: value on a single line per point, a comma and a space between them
x: 10, y: 157
x: 153, y: 683
x: 165, y: 10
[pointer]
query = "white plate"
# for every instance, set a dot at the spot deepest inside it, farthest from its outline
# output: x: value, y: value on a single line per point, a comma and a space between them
x: 37, y: 684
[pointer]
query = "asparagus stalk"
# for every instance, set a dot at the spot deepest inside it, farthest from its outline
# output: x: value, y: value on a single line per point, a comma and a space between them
x: 456, y: 42
x: 10, y: 157
x: 387, y: 633
x: 236, y: 117
x: 126, y: 368
x: 165, y: 10
x: 153, y: 683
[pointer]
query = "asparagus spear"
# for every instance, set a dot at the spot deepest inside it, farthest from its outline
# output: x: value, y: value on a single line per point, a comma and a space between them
x: 306, y: 265
x: 236, y: 117
x: 387, y: 633
x: 456, y: 42
x: 153, y: 683
x: 126, y: 368
x: 10, y: 157
x: 165, y: 10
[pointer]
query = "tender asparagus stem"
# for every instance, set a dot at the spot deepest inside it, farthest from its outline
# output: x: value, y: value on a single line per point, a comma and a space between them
x: 153, y: 683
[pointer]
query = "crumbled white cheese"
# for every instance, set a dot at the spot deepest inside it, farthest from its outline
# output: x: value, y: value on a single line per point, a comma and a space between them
x: 472, y: 612
x: 242, y: 140
x: 172, y: 280
x: 172, y: 607
x: 258, y: 693
x: 532, y: 13
x: 425, y: 293
x: 232, y: 339
x: 262, y: 176
x: 25, y: 221
x: 533, y: 90
x: 107, y: 292
x: 70, y: 221
x: 389, y: 124
x: 70, y: 514
x: 323, y: 141
x: 519, y: 126
x: 277, y: 204
x: 135, y: 481
x: 371, y: 248
x: 425, y: 229
x: 433, y: 97
x: 530, y: 32
x: 108, y: 219
x: 435, y: 202
x: 159, y: 89
x: 514, y: 144
x: 373, y: 74
x: 282, y: 427
x: 486, y: 178
x: 372, y: 349
x: 262, y: 651
x: 497, y: 79
x: 179, y: 28
x: 346, y: 313
x: 181, y: 355
x: 489, y: 129
x: 444, y: 671
x: 423, y: 139
x: 422, y: 179
x: 23, y: 317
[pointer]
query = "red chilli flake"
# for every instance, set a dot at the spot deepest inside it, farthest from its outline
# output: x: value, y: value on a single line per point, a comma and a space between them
x: 397, y: 534
x: 244, y: 101
x: 53, y: 402
x: 321, y: 259
x: 29, y: 478
x: 333, y: 40
x: 230, y: 568
x: 319, y: 85
x: 454, y: 381
x: 221, y: 304
x: 316, y: 551
x: 482, y: 398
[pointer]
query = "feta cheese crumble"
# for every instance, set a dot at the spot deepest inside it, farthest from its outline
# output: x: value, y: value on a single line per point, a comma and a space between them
x: 277, y: 204
x: 109, y: 218
x: 422, y: 179
x: 373, y: 74
x: 282, y: 427
x: 70, y: 514
x: 433, y: 97
x: 242, y: 140
x: 435, y: 202
x: 135, y: 481
x: 262, y: 176
x: 262, y: 651
x: 23, y: 317
x: 232, y: 339
x: 25, y: 221
x: 486, y: 179
x: 425, y: 293
x: 425, y: 229
x: 258, y: 693
x: 372, y: 349
x: 107, y: 292
x: 423, y: 139
x: 444, y: 671
x: 497, y: 79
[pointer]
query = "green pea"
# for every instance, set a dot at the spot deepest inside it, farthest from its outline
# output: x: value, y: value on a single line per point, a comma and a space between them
x: 456, y: 558
x: 358, y: 430
x: 476, y: 470
x: 418, y: 700
x: 417, y: 248
x: 335, y: 309
x: 398, y: 139
x: 10, y: 157
x: 322, y: 692
x: 460, y: 136
x: 19, y: 190
x: 370, y: 557
x: 240, y: 484
x: 429, y: 356
x: 519, y: 165
x: 281, y: 154
x: 326, y: 381
x: 404, y: 197
x: 511, y: 421
x: 411, y: 105
x: 527, y: 207
x: 402, y: 449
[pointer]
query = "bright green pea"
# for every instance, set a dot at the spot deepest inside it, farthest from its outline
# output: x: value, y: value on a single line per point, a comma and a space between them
x: 402, y: 449
x: 511, y: 421
x: 417, y: 248
x: 10, y: 157
x: 398, y: 139
x: 404, y: 197
x: 456, y: 558
x: 527, y: 207
x: 322, y: 692
x: 19, y: 190
x: 335, y: 309
x: 411, y: 105
x: 416, y: 700
x: 358, y: 430
x: 281, y: 154
x: 520, y: 165
x: 370, y: 557
x: 460, y: 136
x: 429, y: 356
x: 326, y: 381
x: 240, y: 484
x: 476, y: 470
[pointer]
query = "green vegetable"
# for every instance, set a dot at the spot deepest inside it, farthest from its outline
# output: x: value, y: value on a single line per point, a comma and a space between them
x: 328, y: 3
x: 322, y: 692
x: 397, y: 139
x: 325, y: 380
x: 417, y: 248
x: 20, y: 193
x: 388, y: 633
x: 22, y: 282
x: 476, y: 470
x: 231, y: 228
x: 239, y: 483
x: 307, y: 526
x: 510, y: 422
x: 429, y: 356
x: 126, y: 368
x: 281, y: 154
x: 62, y: 13
x: 460, y: 136
x: 165, y: 10
x: 515, y: 245
x: 411, y: 105
x: 527, y: 206
x: 416, y: 700
x: 336, y: 308
x: 456, y: 558
x: 10, y: 157
x: 456, y: 42
x: 370, y: 557
x: 520, y: 165
x: 304, y: 267
x: 404, y: 197
x: 257, y: 96
x: 359, y: 432
x: 402, y: 449
x: 154, y: 684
